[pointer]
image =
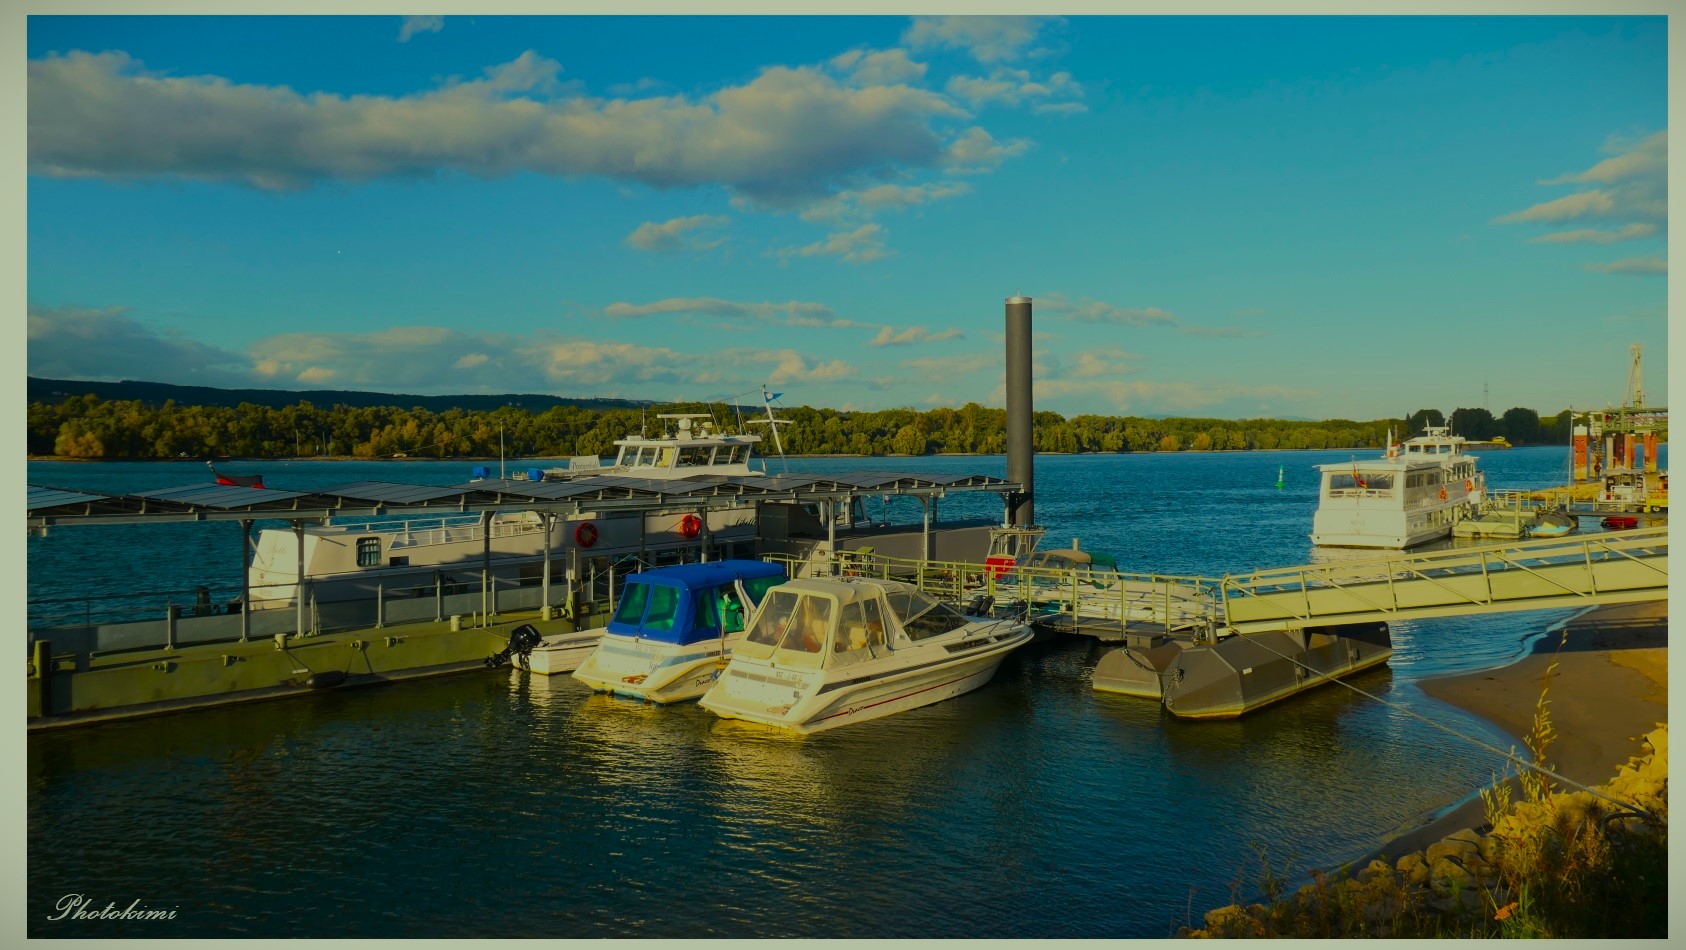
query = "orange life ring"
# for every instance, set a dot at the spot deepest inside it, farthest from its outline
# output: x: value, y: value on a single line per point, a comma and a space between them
x: 1442, y: 492
x: 690, y: 526
x: 1469, y: 484
x: 586, y: 534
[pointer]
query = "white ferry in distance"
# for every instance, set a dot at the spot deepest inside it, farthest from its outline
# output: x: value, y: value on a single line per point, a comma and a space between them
x: 1411, y: 495
x: 349, y: 561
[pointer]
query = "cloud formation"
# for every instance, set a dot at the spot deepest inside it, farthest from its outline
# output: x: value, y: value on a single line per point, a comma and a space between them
x: 870, y: 201
x: 676, y: 234
x: 882, y: 68
x: 76, y: 343
x: 786, y: 137
x: 1631, y: 200
x: 419, y: 24
x: 890, y: 336
x: 791, y: 313
x: 860, y: 246
x: 989, y: 39
x: 1633, y: 266
x: 1014, y: 87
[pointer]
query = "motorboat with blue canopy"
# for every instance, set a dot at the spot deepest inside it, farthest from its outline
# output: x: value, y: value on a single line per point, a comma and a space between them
x: 674, y: 627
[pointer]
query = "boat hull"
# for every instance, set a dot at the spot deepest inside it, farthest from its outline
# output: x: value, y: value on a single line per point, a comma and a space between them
x: 804, y: 703
x: 655, y: 673
x: 560, y: 653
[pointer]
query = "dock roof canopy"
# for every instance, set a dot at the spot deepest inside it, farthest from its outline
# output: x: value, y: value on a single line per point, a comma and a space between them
x: 211, y: 502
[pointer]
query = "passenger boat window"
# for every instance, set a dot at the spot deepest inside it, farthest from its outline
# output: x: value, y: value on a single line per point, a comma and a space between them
x: 1372, y: 481
x: 693, y: 455
x: 664, y: 604
x: 631, y: 609
x: 368, y: 552
x: 665, y: 460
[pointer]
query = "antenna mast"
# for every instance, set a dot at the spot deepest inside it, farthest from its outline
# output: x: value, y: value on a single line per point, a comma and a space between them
x: 773, y: 423
x: 1636, y: 381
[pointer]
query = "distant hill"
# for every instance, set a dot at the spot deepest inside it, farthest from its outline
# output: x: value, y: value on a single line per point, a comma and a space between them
x: 154, y: 394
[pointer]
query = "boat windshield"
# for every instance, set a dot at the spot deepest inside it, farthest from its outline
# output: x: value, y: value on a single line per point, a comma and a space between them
x: 790, y: 628
x: 631, y: 609
x: 860, y: 634
x: 920, y: 615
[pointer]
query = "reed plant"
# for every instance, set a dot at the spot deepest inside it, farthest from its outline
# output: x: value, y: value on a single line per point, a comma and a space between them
x: 1553, y: 864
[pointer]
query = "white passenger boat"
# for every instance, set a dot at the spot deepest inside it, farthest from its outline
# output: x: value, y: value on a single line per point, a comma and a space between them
x: 1412, y: 494
x: 826, y: 652
x: 672, y: 632
x: 349, y: 561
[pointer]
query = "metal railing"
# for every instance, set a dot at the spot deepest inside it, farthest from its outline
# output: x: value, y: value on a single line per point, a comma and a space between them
x: 1625, y: 567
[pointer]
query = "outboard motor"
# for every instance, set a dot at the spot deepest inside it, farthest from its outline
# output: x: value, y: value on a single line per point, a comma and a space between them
x: 522, y: 640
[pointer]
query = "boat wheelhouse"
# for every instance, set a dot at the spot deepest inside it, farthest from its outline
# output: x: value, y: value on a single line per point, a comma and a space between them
x: 826, y: 652
x: 1413, y: 494
x: 673, y: 630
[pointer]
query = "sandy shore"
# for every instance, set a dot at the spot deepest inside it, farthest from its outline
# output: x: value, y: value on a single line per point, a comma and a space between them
x: 1610, y: 687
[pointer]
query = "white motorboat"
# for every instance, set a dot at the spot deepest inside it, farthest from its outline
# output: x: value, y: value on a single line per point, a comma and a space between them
x: 1412, y: 494
x: 672, y: 632
x: 827, y: 652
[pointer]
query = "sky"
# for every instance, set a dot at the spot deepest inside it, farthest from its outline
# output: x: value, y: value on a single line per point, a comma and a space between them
x: 1226, y: 216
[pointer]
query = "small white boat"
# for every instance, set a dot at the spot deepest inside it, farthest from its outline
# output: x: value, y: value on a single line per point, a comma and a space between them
x: 672, y: 631
x: 1413, y: 494
x: 827, y: 652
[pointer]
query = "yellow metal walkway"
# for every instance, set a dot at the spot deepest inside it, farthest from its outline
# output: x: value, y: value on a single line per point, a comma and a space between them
x: 1572, y: 571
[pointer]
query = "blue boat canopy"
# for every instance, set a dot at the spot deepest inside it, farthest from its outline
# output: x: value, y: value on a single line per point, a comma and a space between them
x: 689, y: 603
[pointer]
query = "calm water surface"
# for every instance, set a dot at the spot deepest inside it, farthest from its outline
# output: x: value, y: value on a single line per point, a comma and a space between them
x: 501, y: 804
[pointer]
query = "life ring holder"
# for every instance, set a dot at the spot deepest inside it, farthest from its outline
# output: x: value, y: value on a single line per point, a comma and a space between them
x: 586, y: 534
x: 690, y: 526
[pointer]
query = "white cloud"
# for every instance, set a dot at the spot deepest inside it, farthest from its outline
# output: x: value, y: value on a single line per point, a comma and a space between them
x: 860, y: 246
x: 889, y: 336
x: 989, y: 39
x: 869, y: 201
x: 419, y: 24
x: 883, y: 68
x: 1221, y: 333
x: 673, y: 235
x: 978, y: 151
x: 1630, y: 232
x: 1633, y: 196
x: 75, y: 343
x: 791, y: 313
x: 1099, y: 311
x: 788, y: 136
x: 1014, y: 87
x: 1634, y: 266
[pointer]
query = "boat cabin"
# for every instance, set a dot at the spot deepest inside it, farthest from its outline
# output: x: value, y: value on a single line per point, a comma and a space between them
x: 689, y: 603
x: 694, y: 448
x: 831, y: 624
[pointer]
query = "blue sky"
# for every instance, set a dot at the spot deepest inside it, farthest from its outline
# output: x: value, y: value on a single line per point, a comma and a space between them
x: 1220, y: 216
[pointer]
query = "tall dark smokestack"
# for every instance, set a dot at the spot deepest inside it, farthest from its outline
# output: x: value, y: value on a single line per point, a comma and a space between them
x: 1021, y: 451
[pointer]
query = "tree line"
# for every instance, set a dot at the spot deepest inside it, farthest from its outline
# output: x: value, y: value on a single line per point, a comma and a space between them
x: 87, y: 427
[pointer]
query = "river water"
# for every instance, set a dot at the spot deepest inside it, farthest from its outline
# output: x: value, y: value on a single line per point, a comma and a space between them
x: 498, y: 804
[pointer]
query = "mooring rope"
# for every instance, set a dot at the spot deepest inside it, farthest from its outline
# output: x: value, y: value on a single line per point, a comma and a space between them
x: 1508, y: 756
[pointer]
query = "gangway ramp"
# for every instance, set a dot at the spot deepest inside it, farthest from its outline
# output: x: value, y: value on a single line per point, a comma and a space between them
x: 1574, y: 571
